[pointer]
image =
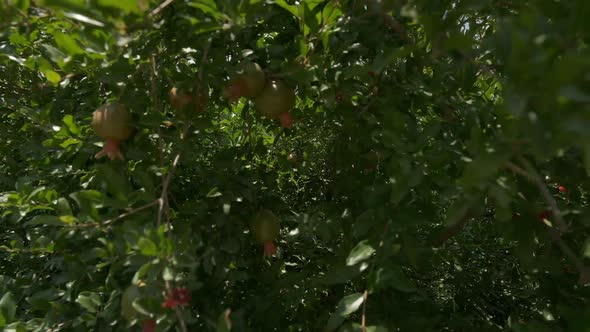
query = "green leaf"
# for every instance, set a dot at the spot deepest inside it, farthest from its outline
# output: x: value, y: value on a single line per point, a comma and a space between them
x: 348, y: 305
x: 342, y: 274
x: 46, y: 220
x: 391, y: 276
x: 67, y: 43
x: 331, y: 13
x: 214, y: 192
x: 147, y: 247
x: 51, y: 76
x: 359, y: 253
x: 128, y: 6
x: 15, y: 327
x: 290, y: 8
x: 63, y: 206
x: 224, y: 322
x: 88, y: 201
x: 71, y: 124
x: 89, y: 301
x: 84, y: 19
x: 309, y: 18
x: 23, y: 5
x: 208, y: 7
x: 8, y: 307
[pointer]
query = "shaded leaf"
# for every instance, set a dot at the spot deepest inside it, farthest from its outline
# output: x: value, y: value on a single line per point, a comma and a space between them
x: 359, y: 253
x: 346, y: 306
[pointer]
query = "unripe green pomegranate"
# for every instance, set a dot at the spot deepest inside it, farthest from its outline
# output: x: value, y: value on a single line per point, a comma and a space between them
x: 129, y: 295
x: 247, y: 82
x: 112, y: 123
x: 277, y: 98
x: 265, y: 227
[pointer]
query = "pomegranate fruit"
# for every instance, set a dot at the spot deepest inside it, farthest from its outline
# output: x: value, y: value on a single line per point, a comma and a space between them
x: 129, y: 295
x: 276, y: 99
x: 247, y: 82
x: 112, y: 123
x: 292, y: 157
x: 265, y: 227
x: 183, y: 101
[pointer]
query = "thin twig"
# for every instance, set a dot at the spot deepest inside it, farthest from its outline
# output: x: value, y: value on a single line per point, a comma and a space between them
x: 364, y: 315
x: 119, y: 217
x: 165, y: 184
x: 160, y: 7
x: 127, y: 214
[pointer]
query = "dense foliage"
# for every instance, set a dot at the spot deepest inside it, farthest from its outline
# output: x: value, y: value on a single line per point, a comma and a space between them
x: 432, y: 175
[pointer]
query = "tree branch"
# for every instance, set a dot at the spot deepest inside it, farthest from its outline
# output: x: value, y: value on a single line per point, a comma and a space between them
x: 160, y: 7
x: 119, y: 217
x: 532, y: 175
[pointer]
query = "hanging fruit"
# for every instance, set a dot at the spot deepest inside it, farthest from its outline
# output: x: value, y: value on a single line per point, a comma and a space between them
x: 265, y: 227
x: 276, y: 100
x: 185, y: 101
x: 111, y: 122
x: 247, y: 82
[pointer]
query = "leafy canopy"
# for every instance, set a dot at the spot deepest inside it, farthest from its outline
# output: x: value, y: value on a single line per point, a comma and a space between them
x: 435, y: 177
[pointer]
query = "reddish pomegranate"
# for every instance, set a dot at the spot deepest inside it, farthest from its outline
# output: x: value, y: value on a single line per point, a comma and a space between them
x: 112, y: 123
x: 265, y: 227
x: 276, y: 99
x: 183, y: 101
x: 247, y: 82
x: 562, y: 189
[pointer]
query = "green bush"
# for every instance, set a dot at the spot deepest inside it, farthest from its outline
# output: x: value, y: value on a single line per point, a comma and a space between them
x: 434, y: 178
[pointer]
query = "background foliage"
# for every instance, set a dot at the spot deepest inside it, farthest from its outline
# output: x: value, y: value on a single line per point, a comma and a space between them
x: 438, y: 177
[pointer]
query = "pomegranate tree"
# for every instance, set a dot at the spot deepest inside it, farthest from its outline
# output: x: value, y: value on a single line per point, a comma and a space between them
x: 112, y: 123
x: 265, y: 227
x: 247, y: 82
